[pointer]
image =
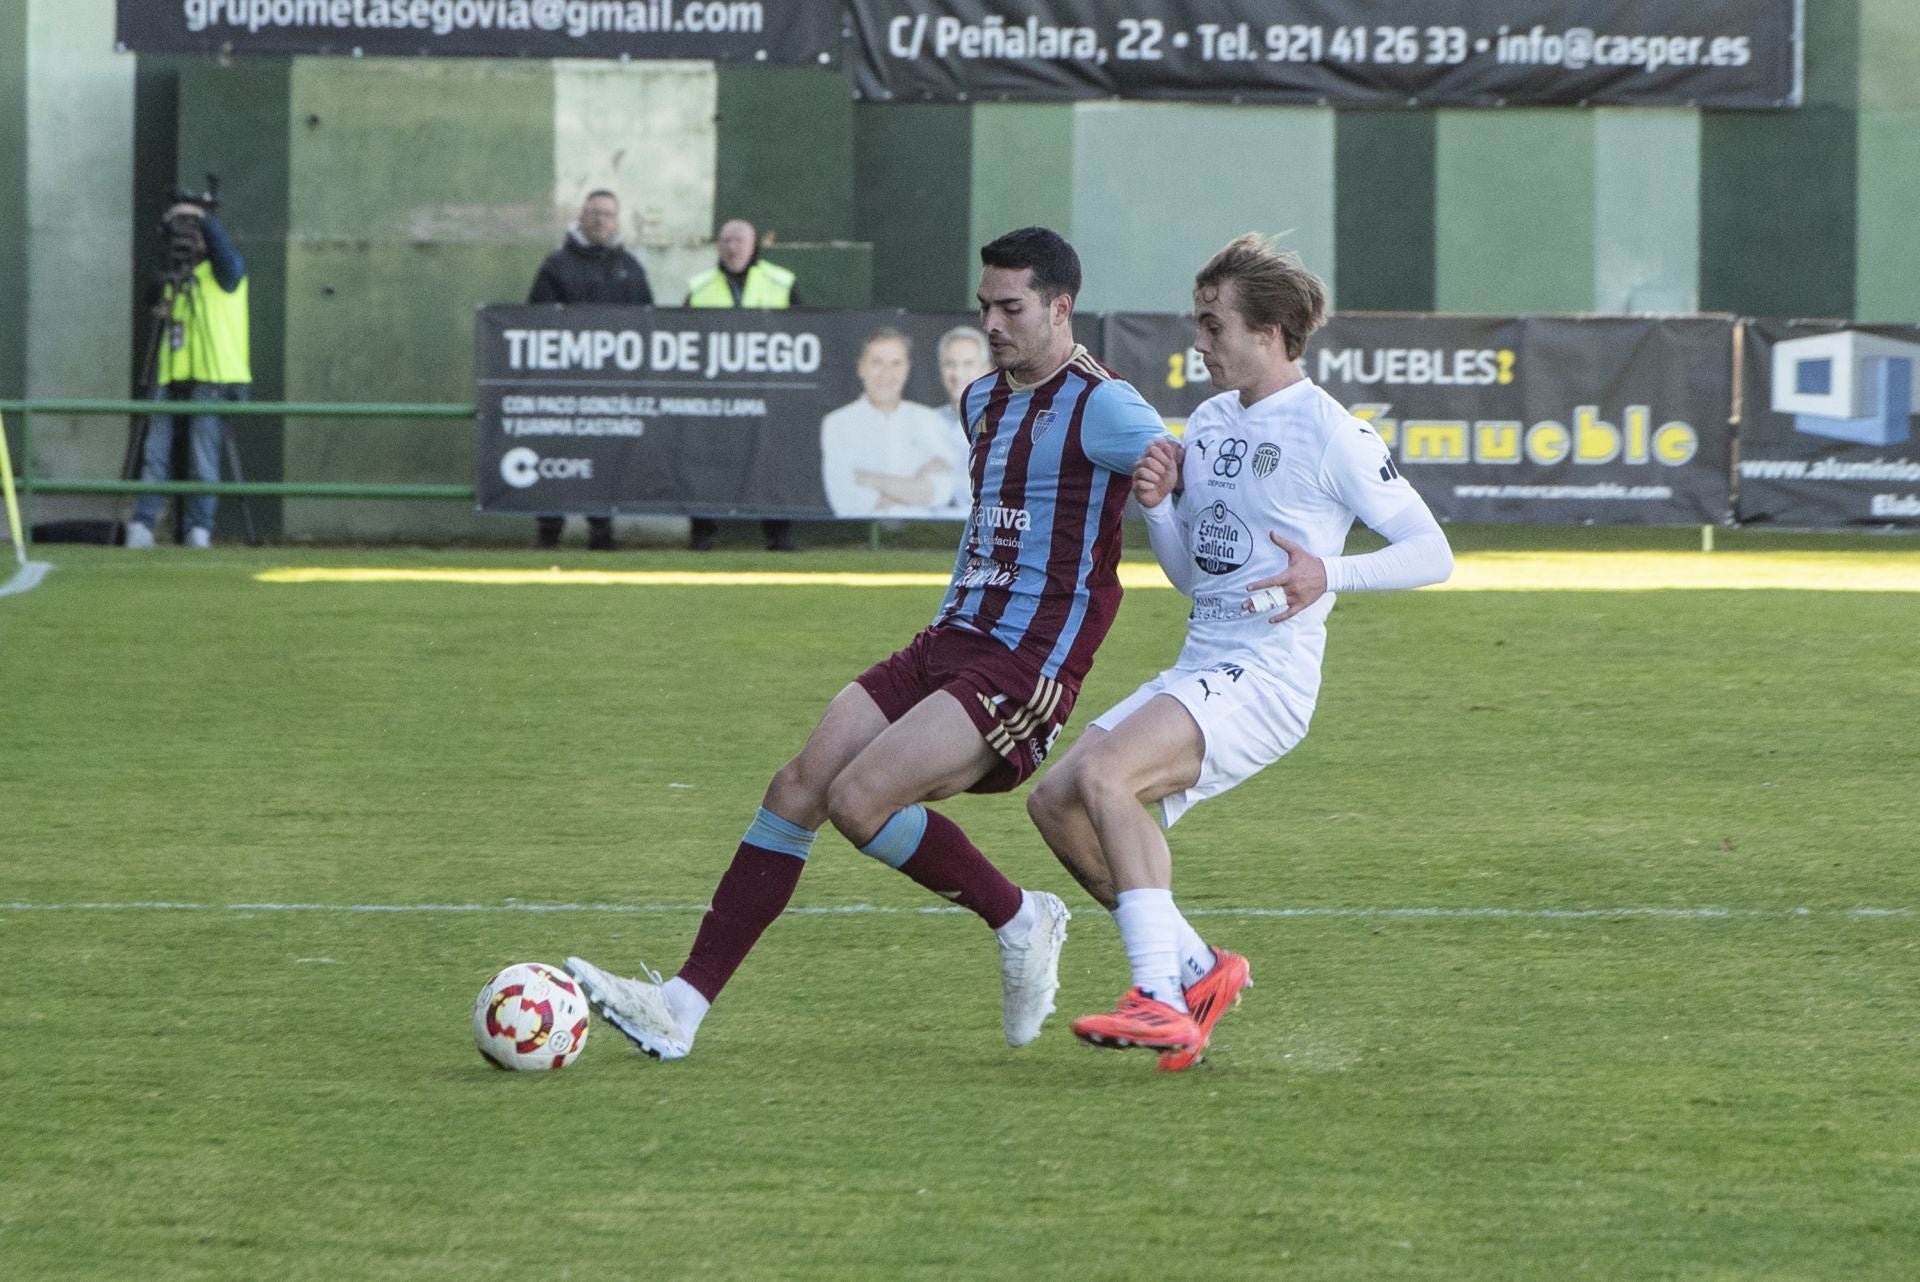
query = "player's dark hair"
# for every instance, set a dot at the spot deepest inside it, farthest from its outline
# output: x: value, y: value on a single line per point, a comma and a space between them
x: 1273, y: 288
x: 601, y: 191
x: 1055, y: 267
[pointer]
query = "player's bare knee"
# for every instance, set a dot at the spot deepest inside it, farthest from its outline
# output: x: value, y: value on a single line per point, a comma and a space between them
x: 1098, y: 787
x: 796, y: 796
x: 855, y: 809
x: 1045, y: 799
x: 1052, y: 801
x: 1040, y: 807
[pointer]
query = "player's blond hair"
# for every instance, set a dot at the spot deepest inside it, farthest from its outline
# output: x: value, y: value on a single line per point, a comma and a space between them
x: 1273, y: 288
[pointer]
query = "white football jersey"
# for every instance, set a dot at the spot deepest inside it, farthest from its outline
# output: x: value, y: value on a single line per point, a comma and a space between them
x: 1296, y: 464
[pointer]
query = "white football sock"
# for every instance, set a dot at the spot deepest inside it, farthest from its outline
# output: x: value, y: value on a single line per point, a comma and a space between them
x: 1196, y: 959
x: 686, y: 1004
x: 1148, y: 925
x: 1021, y: 922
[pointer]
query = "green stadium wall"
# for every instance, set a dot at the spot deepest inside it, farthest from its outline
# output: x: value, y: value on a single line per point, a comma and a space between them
x: 379, y: 201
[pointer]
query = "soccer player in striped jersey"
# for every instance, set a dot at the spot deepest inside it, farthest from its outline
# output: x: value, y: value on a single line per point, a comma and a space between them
x: 1249, y: 518
x: 974, y: 702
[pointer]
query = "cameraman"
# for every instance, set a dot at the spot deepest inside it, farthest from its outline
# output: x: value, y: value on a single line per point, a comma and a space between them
x: 203, y: 358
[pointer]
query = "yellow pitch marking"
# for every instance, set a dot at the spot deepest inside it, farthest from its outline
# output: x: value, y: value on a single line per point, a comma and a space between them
x: 601, y: 578
x: 1475, y: 572
x: 1662, y: 571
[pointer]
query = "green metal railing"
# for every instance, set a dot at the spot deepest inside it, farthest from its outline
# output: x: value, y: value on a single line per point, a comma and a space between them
x: 22, y: 412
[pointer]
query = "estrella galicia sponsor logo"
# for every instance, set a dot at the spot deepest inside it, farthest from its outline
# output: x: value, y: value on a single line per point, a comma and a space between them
x: 1265, y: 459
x: 1847, y: 386
x: 1233, y: 452
x: 521, y: 467
x: 1222, y: 543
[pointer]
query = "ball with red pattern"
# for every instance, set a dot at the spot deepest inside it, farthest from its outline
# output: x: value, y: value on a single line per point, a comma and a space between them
x: 530, y: 1016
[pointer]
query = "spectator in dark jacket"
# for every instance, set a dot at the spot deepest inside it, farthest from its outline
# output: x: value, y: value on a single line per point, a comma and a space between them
x: 591, y: 266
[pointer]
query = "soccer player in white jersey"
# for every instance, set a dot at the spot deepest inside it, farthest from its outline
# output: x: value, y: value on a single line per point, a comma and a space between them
x: 1249, y: 518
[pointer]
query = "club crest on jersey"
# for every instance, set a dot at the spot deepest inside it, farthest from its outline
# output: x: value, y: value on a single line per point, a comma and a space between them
x: 1042, y: 421
x: 1265, y: 459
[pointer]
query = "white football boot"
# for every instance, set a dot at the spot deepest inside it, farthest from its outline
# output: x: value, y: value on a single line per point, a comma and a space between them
x: 1030, y: 969
x: 199, y: 536
x: 636, y: 1007
x: 139, y: 534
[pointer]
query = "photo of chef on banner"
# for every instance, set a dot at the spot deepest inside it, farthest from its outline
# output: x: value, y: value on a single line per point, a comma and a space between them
x: 884, y: 456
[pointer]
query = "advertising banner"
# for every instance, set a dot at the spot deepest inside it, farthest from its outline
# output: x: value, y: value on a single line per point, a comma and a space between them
x: 1826, y: 431
x: 601, y: 409
x: 1397, y: 53
x: 1545, y: 420
x: 723, y: 30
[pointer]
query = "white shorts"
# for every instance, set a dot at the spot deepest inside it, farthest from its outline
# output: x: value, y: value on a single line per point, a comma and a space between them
x: 1248, y: 720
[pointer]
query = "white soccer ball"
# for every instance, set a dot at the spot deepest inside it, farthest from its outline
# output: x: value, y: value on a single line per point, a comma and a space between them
x: 530, y: 1016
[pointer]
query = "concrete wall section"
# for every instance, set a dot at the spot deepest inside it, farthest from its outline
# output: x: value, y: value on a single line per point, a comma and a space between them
x: 234, y: 123
x: 912, y: 166
x: 78, y: 287
x: 785, y: 160
x: 1023, y: 158
x: 647, y: 133
x: 13, y: 201
x: 1887, y: 257
x: 403, y: 218
x: 1158, y: 189
x: 1887, y: 265
x: 1383, y: 210
x: 1514, y: 211
x: 1778, y: 197
x: 1646, y: 189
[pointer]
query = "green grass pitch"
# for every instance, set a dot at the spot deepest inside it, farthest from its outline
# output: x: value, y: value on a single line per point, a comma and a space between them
x: 214, y: 1070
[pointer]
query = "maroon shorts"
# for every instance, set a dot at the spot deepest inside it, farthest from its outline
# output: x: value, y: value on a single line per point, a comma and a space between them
x: 1017, y: 711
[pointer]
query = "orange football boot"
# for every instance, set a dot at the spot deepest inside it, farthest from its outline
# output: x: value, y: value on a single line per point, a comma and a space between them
x: 1139, y: 1020
x: 1217, y: 992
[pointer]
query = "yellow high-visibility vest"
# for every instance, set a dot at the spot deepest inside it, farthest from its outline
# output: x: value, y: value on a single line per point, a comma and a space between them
x: 212, y: 329
x: 767, y: 285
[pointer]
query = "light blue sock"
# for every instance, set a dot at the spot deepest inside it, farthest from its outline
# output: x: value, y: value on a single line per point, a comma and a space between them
x: 898, y: 837
x: 770, y: 832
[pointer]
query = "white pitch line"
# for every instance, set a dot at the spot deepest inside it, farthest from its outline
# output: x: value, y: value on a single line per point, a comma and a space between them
x: 835, y: 910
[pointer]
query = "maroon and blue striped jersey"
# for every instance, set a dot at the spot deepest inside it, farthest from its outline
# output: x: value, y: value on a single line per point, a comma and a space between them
x: 1051, y: 469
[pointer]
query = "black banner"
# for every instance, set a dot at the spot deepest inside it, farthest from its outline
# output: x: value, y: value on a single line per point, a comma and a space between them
x: 848, y: 414
x: 1826, y: 433
x: 1615, y: 421
x: 1396, y: 53
x: 723, y: 412
x: 723, y: 30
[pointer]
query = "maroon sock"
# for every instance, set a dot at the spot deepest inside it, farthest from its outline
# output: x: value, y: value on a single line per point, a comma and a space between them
x: 953, y: 868
x: 754, y: 891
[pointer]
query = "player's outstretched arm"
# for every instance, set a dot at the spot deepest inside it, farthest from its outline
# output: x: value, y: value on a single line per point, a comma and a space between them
x: 1417, y: 554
